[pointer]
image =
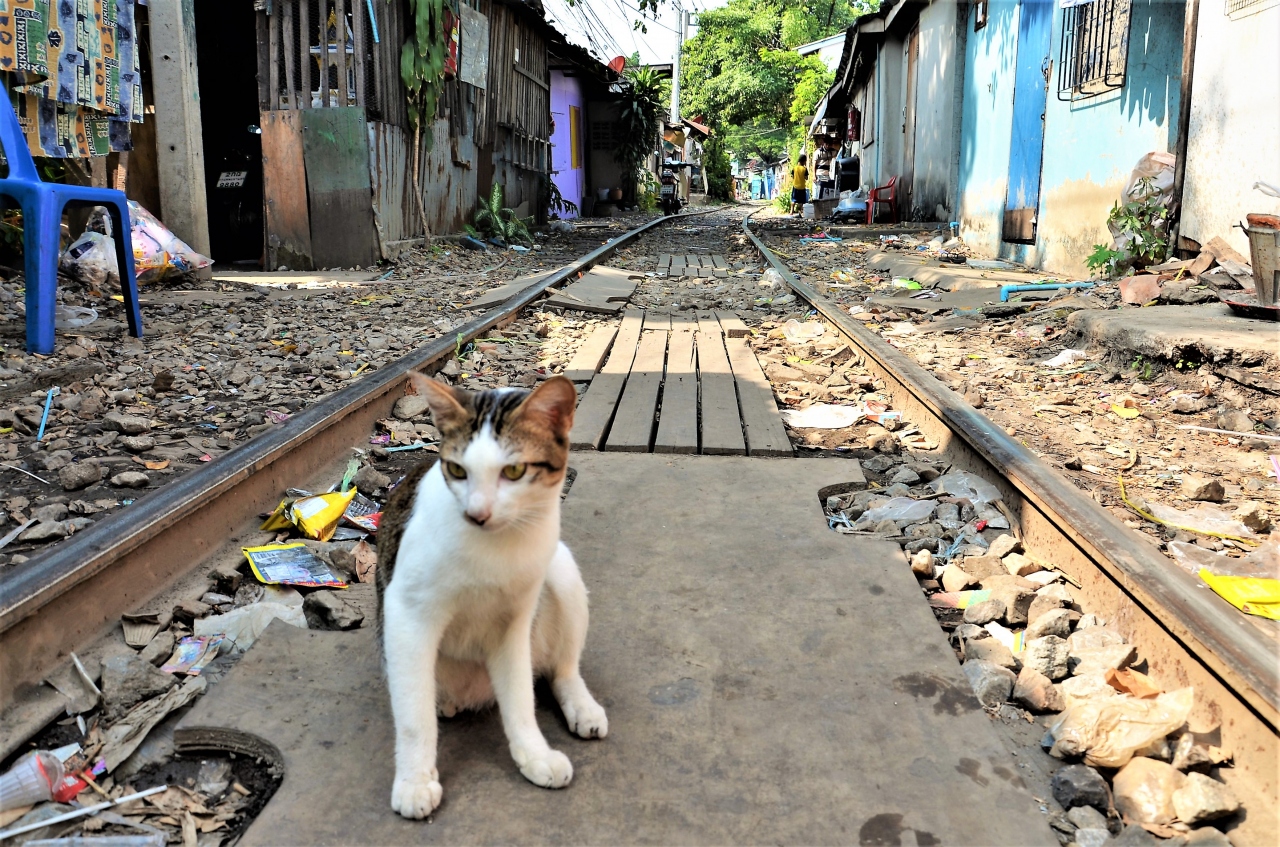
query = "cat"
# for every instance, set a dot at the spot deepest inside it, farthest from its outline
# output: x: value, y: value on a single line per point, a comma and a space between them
x: 476, y: 592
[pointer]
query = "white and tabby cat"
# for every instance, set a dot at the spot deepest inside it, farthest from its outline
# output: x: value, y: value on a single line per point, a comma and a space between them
x: 477, y: 594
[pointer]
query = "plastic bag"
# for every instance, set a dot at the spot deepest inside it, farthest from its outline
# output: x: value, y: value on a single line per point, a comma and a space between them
x: 898, y: 509
x: 795, y: 332
x: 1157, y: 166
x: 91, y: 258
x: 973, y: 488
x: 823, y: 416
x: 1263, y: 562
x: 157, y: 252
x: 242, y: 626
x: 1107, y: 731
x: 772, y: 279
x: 1066, y: 357
x: 73, y: 317
x: 1203, y: 518
x: 1250, y: 595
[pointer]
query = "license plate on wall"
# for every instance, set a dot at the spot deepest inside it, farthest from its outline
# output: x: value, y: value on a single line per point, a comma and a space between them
x: 231, y: 179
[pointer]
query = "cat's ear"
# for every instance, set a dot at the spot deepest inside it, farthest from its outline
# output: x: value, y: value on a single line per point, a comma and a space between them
x: 446, y: 411
x: 551, y: 405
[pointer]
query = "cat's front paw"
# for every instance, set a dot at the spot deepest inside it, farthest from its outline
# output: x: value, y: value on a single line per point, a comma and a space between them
x: 418, y: 796
x: 548, y: 768
x: 586, y: 718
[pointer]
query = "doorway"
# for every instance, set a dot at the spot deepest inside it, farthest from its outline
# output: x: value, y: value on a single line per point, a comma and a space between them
x: 909, y: 126
x: 1030, y: 94
x: 232, y: 139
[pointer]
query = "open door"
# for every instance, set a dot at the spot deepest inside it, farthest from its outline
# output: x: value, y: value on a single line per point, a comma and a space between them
x: 1030, y: 93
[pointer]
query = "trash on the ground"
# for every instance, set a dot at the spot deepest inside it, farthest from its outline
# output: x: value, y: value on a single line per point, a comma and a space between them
x: 192, y: 654
x: 363, y: 513
x: 316, y: 516
x: 897, y: 509
x: 123, y: 737
x: 31, y: 780
x: 1251, y: 595
x: 823, y: 416
x: 153, y: 839
x: 907, y: 283
x: 141, y: 627
x: 242, y: 626
x: 73, y: 317
x: 84, y: 811
x: 1066, y: 357
x: 797, y: 332
x: 157, y: 252
x: 1203, y: 518
x: 1108, y: 731
x: 1129, y: 681
x: 1264, y: 562
x: 290, y: 564
x: 772, y: 279
x: 366, y: 561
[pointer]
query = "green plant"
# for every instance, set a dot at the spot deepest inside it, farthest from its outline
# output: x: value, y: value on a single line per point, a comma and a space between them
x: 639, y: 120
x: 422, y: 58
x: 1140, y: 228
x: 552, y: 200
x: 715, y: 158
x: 493, y: 220
x: 1103, y: 260
x: 1145, y: 369
x: 647, y: 193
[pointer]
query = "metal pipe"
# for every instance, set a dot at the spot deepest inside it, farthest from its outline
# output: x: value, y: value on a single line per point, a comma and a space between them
x: 1006, y: 290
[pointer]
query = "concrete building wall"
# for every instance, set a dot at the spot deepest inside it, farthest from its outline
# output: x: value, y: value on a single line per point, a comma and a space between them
x: 1235, y: 123
x: 936, y: 111
x: 1090, y: 145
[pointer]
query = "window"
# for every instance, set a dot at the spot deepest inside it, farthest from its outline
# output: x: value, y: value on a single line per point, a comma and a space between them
x: 1095, y: 48
x: 979, y: 15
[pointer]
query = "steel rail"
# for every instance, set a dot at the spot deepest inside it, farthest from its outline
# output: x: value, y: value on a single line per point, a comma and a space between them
x: 67, y: 597
x: 1211, y: 630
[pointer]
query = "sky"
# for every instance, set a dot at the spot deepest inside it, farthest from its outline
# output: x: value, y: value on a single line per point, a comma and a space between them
x: 605, y: 27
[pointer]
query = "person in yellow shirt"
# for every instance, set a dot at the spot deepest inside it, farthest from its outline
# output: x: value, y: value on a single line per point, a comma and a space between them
x: 799, y: 184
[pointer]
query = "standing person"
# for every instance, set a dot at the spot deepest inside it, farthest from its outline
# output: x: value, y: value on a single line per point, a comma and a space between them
x: 799, y: 184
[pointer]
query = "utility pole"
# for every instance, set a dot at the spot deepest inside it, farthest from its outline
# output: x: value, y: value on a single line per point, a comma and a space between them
x: 682, y: 21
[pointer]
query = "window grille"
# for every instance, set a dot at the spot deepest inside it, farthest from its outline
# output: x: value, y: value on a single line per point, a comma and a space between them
x: 1095, y: 48
x: 1241, y: 8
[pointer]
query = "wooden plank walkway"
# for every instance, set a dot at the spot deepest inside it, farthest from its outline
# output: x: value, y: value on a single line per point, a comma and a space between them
x: 700, y: 265
x: 680, y: 383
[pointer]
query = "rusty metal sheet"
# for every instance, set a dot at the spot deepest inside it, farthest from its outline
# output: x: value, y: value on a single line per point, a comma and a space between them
x: 284, y: 187
x: 390, y: 171
x: 335, y: 145
x: 473, y: 52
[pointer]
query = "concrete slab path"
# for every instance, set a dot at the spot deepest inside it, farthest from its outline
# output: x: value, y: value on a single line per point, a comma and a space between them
x: 767, y: 681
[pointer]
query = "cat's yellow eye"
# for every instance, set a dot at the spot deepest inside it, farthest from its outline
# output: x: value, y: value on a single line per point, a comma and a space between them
x: 513, y: 472
x: 455, y: 470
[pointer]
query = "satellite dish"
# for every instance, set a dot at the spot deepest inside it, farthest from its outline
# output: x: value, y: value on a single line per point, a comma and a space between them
x: 618, y: 63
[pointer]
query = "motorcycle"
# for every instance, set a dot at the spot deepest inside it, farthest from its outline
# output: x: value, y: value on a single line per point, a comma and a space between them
x: 668, y: 199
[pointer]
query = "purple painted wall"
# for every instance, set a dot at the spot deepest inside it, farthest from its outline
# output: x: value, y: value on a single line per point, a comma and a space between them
x: 566, y: 92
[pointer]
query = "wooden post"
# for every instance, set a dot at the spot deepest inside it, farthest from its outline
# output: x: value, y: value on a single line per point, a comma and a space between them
x: 289, y: 53
x: 340, y: 41
x: 324, y: 55
x: 304, y: 49
x: 179, y: 149
x: 357, y: 35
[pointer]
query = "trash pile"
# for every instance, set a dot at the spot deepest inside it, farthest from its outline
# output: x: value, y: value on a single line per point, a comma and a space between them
x: 319, y: 545
x: 1022, y: 638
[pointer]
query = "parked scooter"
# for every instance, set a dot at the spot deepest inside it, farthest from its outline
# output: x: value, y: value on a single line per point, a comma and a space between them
x: 668, y: 199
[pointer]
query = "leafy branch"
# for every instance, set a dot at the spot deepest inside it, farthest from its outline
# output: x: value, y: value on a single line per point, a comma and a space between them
x: 422, y: 61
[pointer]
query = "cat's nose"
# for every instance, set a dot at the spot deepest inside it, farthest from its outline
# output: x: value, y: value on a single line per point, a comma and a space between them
x: 479, y: 516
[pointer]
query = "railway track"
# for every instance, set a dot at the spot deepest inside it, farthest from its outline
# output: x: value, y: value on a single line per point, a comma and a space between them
x: 66, y: 598
x: 70, y: 596
x: 1188, y: 634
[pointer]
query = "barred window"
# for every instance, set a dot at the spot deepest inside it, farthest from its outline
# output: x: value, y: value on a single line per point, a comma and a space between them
x: 1241, y: 8
x: 1095, y: 48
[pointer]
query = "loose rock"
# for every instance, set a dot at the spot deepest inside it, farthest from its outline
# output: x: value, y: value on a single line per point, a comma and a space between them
x: 1202, y: 488
x: 1037, y: 692
x: 984, y: 612
x: 1080, y: 785
x: 1253, y: 515
x: 991, y: 683
x: 409, y: 407
x: 369, y: 478
x: 131, y: 479
x: 79, y: 475
x: 1098, y: 650
x: 158, y: 649
x: 955, y: 579
x: 137, y: 443
x: 1047, y: 655
x: 330, y: 610
x: 922, y: 564
x: 1144, y: 790
x: 1203, y: 799
x: 128, y: 679
x: 1004, y: 545
x: 1056, y: 622
x: 990, y: 650
x: 127, y: 424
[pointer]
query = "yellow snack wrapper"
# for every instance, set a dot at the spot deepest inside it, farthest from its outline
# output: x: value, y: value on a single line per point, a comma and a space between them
x: 290, y: 564
x: 278, y: 519
x: 318, y: 515
x: 1250, y: 594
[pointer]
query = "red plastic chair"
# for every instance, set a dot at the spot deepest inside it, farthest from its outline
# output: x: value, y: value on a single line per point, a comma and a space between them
x: 887, y: 194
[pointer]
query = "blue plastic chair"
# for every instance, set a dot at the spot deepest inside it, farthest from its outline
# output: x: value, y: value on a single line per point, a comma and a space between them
x: 42, y: 206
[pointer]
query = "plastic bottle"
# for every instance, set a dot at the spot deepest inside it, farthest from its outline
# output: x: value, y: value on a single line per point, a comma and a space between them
x: 808, y: 212
x: 30, y: 780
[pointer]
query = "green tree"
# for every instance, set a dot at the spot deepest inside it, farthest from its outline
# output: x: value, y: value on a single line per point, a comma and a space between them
x: 742, y: 73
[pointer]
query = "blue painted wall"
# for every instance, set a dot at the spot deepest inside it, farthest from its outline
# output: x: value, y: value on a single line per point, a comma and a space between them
x: 1090, y: 145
